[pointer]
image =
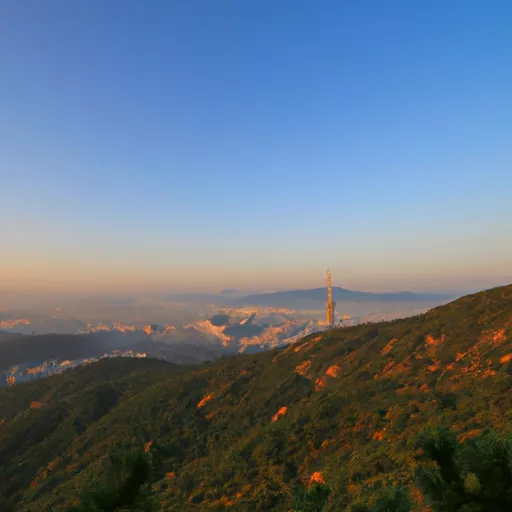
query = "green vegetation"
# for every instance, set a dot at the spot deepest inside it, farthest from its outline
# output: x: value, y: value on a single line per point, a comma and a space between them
x: 475, y: 476
x: 126, y: 486
x: 389, y: 499
x: 311, y: 500
x: 389, y: 416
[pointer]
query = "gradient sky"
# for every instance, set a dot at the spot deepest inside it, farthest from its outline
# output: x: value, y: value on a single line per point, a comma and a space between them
x: 172, y: 145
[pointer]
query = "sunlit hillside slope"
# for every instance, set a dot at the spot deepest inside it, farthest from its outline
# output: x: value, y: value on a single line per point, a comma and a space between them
x: 342, y: 407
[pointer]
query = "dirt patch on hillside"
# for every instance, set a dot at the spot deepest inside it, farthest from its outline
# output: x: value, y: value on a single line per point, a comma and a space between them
x: 204, y: 401
x: 279, y: 413
x: 333, y: 371
x: 319, y: 384
x: 388, y: 347
x: 302, y: 368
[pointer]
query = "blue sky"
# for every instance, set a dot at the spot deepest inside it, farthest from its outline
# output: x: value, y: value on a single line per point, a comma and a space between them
x: 202, y: 145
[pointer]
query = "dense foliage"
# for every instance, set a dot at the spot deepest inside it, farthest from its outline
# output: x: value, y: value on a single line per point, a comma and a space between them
x: 125, y: 485
x: 335, y: 420
x: 474, y: 476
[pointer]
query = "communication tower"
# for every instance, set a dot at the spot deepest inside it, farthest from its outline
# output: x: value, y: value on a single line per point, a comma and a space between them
x: 331, y: 305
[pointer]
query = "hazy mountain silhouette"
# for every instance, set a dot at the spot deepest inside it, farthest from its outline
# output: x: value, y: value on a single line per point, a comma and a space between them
x: 316, y: 297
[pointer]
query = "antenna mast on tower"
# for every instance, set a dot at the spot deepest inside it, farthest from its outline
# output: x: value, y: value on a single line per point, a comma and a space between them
x: 330, y: 304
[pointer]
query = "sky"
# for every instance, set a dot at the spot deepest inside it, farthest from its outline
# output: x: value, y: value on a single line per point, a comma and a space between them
x: 199, y: 145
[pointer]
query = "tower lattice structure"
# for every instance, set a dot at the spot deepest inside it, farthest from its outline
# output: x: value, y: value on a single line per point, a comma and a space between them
x: 330, y: 303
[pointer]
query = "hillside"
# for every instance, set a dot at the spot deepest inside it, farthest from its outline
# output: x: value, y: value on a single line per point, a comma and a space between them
x: 343, y: 407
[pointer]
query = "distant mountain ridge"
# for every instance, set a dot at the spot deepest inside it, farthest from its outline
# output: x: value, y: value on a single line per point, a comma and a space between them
x: 292, y: 298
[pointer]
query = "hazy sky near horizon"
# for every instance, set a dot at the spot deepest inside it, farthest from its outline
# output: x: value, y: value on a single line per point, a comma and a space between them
x: 209, y: 144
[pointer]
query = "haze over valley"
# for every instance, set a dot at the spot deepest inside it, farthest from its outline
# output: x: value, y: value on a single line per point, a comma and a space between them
x: 186, y: 329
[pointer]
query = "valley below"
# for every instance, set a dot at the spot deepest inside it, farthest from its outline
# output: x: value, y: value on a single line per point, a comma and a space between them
x: 41, y: 341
